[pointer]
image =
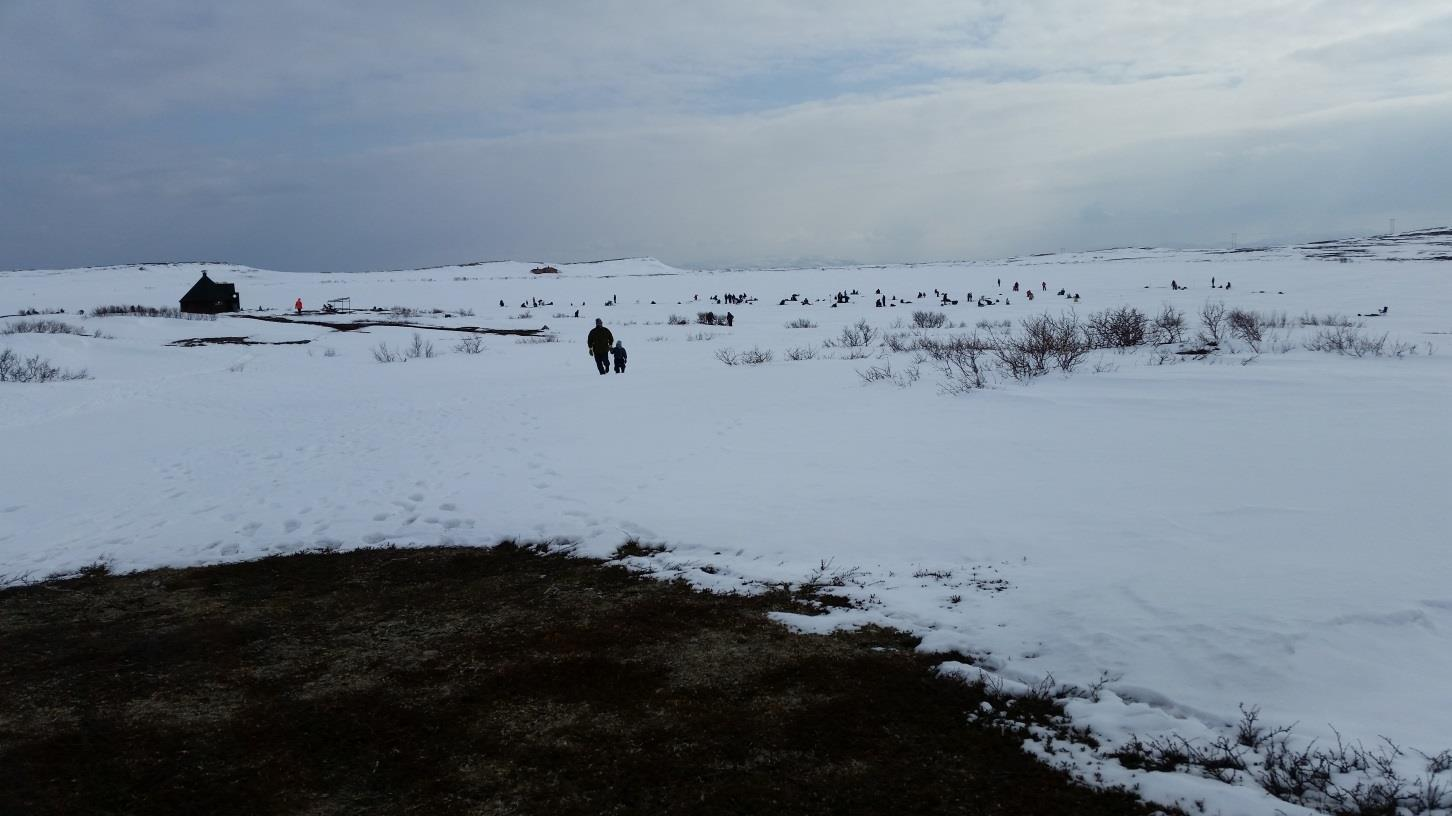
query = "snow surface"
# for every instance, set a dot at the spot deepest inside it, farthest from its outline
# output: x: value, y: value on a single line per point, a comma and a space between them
x: 1264, y: 529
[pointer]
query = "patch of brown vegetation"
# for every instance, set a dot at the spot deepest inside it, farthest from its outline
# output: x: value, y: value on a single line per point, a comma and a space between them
x: 477, y: 681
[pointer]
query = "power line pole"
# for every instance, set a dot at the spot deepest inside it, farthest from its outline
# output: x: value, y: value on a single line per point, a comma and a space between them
x: 1233, y: 237
x: 1393, y: 230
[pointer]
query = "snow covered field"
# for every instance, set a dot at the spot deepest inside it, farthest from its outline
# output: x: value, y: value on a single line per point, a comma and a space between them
x: 1264, y: 529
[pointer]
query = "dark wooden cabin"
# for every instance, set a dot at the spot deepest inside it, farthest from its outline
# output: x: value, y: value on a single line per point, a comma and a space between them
x: 210, y: 297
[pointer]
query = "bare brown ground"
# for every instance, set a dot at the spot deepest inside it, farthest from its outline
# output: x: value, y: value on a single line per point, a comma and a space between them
x: 454, y: 681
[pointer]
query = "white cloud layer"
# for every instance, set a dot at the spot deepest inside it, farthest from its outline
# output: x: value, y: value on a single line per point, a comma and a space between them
x: 350, y: 135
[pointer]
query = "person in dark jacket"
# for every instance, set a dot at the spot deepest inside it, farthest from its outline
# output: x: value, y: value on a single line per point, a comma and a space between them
x: 599, y: 340
x: 619, y: 354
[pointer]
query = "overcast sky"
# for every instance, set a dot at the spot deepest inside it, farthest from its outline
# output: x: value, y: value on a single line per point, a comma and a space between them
x: 339, y: 135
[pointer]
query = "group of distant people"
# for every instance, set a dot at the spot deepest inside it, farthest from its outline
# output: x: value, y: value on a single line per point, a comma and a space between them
x: 1177, y: 286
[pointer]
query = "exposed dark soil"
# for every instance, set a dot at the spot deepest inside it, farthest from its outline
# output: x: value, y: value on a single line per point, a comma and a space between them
x: 193, y: 342
x: 447, y: 681
x: 354, y: 325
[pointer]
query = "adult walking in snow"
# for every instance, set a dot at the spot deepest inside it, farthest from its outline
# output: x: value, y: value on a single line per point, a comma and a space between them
x: 600, y: 340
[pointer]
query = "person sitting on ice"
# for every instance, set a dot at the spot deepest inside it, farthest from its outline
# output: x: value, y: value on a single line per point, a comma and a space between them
x: 618, y: 352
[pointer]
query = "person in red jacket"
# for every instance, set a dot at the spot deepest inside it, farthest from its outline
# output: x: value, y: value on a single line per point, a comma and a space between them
x: 298, y: 305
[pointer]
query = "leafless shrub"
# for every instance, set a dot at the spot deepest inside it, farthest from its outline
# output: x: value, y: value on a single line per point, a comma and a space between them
x: 801, y: 353
x: 524, y: 315
x: 939, y: 348
x: 1308, y: 319
x: 1124, y: 327
x: 677, y: 320
x: 858, y: 335
x: 42, y: 327
x: 1347, y: 779
x: 994, y: 324
x: 964, y: 367
x: 1352, y: 343
x: 1061, y: 339
x: 149, y: 311
x: 537, y: 338
x: 1212, y: 319
x: 899, y: 342
x: 464, y: 312
x: 929, y: 320
x: 1251, y: 733
x: 1218, y: 759
x: 330, y: 352
x: 469, y: 345
x: 659, y: 338
x: 699, y: 336
x: 1169, y: 325
x: 419, y: 348
x: 884, y: 373
x: 1273, y: 320
x: 827, y: 574
x: 1246, y: 326
x: 710, y: 319
x: 403, y: 311
x: 755, y: 356
x: 33, y: 369
x: 800, y: 323
x: 383, y: 354
x: 876, y: 373
x: 1043, y: 340
x: 728, y: 356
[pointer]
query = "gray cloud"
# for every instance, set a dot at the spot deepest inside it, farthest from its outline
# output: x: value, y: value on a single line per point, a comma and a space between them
x: 335, y: 135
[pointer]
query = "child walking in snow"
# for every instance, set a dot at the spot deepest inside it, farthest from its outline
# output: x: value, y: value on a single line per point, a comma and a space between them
x: 618, y: 352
